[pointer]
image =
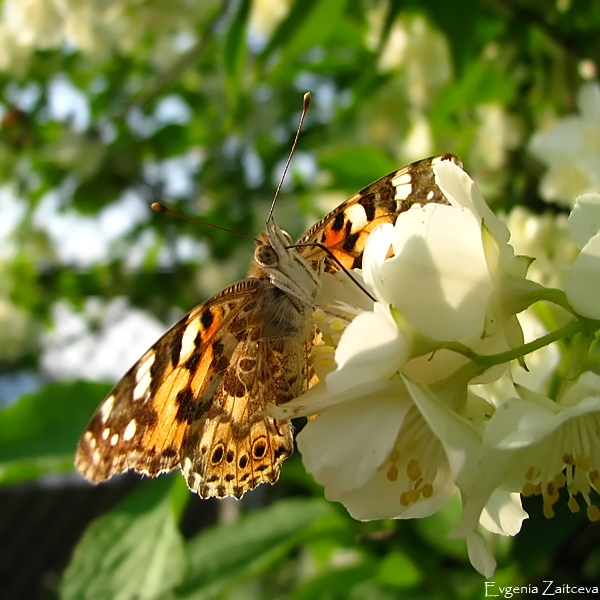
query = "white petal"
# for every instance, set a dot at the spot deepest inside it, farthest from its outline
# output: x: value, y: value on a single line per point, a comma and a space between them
x: 372, y: 348
x: 588, y: 385
x: 519, y: 423
x: 313, y: 401
x: 479, y: 555
x: 376, y: 250
x: 379, y: 498
x: 588, y: 102
x: 584, y: 220
x: 462, y: 192
x: 503, y: 514
x: 439, y: 279
x: 459, y: 440
x: 345, y: 445
x: 583, y: 280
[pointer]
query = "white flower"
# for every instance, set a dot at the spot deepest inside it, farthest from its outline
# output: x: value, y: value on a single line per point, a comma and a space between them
x: 546, y: 238
x: 396, y: 435
x: 571, y: 151
x: 497, y: 132
x: 266, y: 15
x: 536, y: 446
x: 423, y: 51
x: 583, y: 279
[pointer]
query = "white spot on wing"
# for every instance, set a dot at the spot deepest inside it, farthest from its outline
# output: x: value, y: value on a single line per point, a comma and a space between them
x: 105, y: 433
x: 129, y: 430
x: 114, y: 439
x: 143, y: 377
x: 145, y: 364
x: 142, y: 390
x: 187, y: 341
x: 106, y: 408
x: 402, y: 179
x: 403, y: 191
x: 357, y: 216
x: 403, y: 185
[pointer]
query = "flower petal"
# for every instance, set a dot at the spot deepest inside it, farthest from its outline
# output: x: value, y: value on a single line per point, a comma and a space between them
x: 583, y: 280
x: 462, y: 192
x: 439, y: 280
x: 459, y: 440
x: 380, y: 497
x: 344, y: 446
x: 372, y: 348
x: 503, y: 514
x: 479, y: 555
x: 375, y: 253
x: 584, y: 220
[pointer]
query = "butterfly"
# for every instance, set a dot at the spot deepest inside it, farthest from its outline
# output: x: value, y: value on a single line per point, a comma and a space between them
x: 196, y: 399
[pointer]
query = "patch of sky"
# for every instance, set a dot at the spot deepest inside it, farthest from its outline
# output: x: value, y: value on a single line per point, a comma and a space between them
x: 82, y: 241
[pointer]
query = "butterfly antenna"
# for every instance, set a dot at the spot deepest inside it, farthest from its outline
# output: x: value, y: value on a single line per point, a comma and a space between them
x: 161, y: 208
x: 305, y: 105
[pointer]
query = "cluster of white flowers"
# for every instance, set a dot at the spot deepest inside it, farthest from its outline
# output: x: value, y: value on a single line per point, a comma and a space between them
x: 416, y: 399
x: 94, y: 28
x: 570, y: 149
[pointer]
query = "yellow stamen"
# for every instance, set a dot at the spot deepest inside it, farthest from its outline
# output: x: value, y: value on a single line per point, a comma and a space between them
x: 573, y: 505
x: 413, y: 470
x: 392, y: 473
x: 427, y: 490
x: 593, y: 513
x: 548, y: 511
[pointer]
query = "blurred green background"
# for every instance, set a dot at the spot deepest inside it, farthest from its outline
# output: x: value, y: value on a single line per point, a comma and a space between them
x: 108, y: 106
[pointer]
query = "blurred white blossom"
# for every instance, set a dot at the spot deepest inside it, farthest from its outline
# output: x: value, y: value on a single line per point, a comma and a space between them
x: 422, y: 52
x: 570, y: 150
x: 547, y: 239
x: 94, y: 28
x: 583, y: 280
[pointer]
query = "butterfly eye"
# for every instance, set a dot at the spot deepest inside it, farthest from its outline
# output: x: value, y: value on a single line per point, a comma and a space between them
x: 265, y: 256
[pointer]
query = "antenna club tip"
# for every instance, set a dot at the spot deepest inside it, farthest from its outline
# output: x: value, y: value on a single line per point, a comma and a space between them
x: 158, y: 207
x: 306, y: 100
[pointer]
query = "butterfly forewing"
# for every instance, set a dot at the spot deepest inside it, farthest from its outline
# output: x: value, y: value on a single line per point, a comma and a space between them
x: 196, y: 399
x: 142, y: 422
x: 345, y: 229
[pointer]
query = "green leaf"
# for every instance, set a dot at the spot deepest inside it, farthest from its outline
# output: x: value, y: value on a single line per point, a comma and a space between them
x: 354, y: 168
x: 135, y: 551
x: 230, y: 553
x: 338, y: 584
x: 397, y: 570
x: 235, y: 48
x: 38, y: 434
x: 308, y: 24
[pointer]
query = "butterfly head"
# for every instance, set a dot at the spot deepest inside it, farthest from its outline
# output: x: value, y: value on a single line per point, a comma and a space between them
x: 277, y: 259
x: 273, y: 244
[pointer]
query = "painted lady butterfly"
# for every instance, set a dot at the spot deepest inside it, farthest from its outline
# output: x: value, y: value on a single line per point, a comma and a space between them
x: 195, y: 399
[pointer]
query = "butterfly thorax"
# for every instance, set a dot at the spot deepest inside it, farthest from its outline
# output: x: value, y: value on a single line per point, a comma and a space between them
x: 291, y: 285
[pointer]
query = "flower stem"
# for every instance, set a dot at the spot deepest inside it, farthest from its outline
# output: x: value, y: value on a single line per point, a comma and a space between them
x: 490, y: 360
